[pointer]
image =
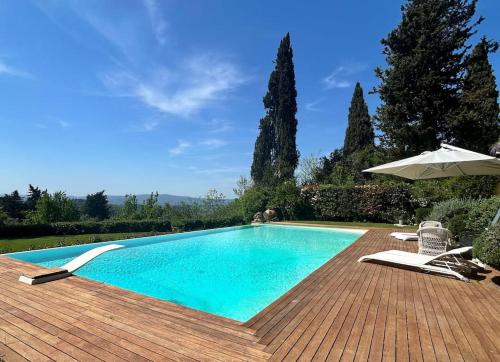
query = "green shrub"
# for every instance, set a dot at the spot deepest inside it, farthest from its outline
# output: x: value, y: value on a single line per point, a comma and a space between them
x: 422, y: 214
x: 375, y: 203
x: 189, y: 225
x: 487, y: 246
x: 481, y: 214
x: 84, y: 227
x: 446, y: 210
x: 254, y: 200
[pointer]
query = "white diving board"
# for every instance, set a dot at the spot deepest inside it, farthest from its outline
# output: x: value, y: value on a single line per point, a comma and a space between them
x: 68, y: 268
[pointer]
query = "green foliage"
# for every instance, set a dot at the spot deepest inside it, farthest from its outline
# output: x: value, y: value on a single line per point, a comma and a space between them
x: 213, y: 202
x: 53, y: 208
x: 276, y: 156
x: 262, y: 165
x: 286, y: 200
x: 464, y: 217
x: 208, y: 223
x: 420, y: 87
x: 254, y: 200
x: 308, y: 168
x: 376, y: 203
x: 475, y: 124
x: 481, y: 214
x: 96, y: 206
x: 487, y: 246
x: 151, y: 208
x: 12, y: 205
x: 359, y: 133
x: 422, y: 213
x: 84, y: 227
x: 242, y: 185
x: 34, y: 194
x: 444, y: 211
x: 3, y: 216
x: 347, y: 170
x: 130, y: 209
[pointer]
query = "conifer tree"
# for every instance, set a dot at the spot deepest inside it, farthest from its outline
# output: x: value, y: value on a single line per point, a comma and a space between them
x: 287, y: 155
x: 276, y: 156
x: 476, y: 123
x: 261, y: 170
x: 359, y: 132
x: 420, y: 87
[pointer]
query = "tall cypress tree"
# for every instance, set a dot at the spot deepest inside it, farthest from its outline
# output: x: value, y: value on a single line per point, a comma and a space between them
x: 287, y: 155
x: 276, y: 156
x: 359, y: 132
x: 261, y: 170
x: 420, y: 87
x: 476, y: 123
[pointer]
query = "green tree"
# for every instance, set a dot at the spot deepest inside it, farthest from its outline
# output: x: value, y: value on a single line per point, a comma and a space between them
x: 276, y: 156
x: 54, y: 208
x: 242, y: 185
x: 3, y: 216
x: 308, y: 167
x: 34, y: 194
x: 475, y: 125
x: 213, y: 202
x: 359, y: 132
x: 12, y: 204
x: 151, y: 209
x: 130, y: 208
x: 419, y: 89
x: 262, y: 171
x: 96, y: 206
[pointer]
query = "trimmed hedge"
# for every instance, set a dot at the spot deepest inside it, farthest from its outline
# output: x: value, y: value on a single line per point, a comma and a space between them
x: 84, y: 227
x: 374, y: 203
x: 112, y: 226
x: 189, y: 225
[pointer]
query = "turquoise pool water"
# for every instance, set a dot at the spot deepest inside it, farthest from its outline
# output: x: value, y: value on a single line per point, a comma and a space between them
x: 232, y: 272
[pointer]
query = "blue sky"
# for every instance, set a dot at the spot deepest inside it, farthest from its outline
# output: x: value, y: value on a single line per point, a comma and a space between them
x: 136, y: 96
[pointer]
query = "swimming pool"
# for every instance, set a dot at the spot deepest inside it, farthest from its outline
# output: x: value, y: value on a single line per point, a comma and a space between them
x: 232, y: 272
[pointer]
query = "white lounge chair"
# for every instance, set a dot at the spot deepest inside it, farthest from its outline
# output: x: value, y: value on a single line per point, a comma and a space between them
x: 430, y: 223
x: 446, y: 263
x: 414, y: 236
x: 405, y: 236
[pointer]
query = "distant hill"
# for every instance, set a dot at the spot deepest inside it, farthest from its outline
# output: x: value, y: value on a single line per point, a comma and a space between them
x: 162, y: 199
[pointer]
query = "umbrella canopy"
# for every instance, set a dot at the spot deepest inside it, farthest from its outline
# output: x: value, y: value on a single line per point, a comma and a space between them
x: 446, y: 162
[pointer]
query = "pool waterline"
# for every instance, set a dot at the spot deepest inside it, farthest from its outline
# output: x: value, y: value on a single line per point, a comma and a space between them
x: 233, y: 272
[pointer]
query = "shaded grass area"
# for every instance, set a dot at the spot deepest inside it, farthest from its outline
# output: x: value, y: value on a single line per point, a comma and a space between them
x: 356, y: 224
x: 43, y: 242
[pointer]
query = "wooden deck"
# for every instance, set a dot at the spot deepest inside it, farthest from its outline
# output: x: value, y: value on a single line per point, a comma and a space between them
x: 343, y: 311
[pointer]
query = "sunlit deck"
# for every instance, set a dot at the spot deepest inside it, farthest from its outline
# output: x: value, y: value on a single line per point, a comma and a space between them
x: 344, y: 310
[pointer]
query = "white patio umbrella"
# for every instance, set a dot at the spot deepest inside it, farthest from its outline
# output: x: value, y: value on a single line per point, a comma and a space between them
x: 446, y: 162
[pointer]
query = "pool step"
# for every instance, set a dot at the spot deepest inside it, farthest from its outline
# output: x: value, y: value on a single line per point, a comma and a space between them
x: 48, y: 275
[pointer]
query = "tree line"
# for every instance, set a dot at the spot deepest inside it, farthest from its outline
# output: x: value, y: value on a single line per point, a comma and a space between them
x: 435, y: 88
x: 42, y: 207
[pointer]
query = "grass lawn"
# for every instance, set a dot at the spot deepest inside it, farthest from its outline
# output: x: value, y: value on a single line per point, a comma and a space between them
x: 42, y: 242
x: 367, y: 225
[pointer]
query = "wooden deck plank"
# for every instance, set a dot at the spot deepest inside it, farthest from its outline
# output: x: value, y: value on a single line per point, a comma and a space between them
x: 345, y: 310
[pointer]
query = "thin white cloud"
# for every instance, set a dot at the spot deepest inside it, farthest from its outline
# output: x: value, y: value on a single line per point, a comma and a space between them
x: 63, y: 123
x: 220, y: 125
x: 202, y: 80
x: 158, y: 23
x: 313, y: 106
x: 213, y: 143
x: 12, y: 71
x: 339, y: 77
x: 181, y: 147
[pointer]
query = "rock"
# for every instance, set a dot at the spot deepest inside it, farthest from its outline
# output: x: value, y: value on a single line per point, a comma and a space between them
x: 269, y: 215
